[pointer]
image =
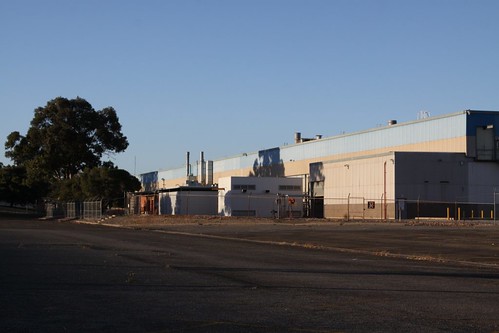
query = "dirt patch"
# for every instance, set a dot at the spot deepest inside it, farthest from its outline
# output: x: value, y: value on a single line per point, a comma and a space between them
x: 148, y: 220
x: 159, y: 220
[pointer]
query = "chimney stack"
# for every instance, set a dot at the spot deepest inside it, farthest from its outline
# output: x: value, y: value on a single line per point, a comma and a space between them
x: 201, y: 169
x: 297, y: 137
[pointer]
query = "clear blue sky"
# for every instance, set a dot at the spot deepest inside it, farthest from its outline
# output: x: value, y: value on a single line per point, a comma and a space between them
x: 233, y: 76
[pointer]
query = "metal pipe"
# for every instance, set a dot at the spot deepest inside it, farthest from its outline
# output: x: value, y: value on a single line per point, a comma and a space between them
x: 384, y: 189
x: 201, y: 169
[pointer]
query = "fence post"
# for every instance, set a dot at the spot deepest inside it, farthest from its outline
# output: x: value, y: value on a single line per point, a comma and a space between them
x: 348, y: 207
x: 363, y: 208
x: 381, y: 206
x: 495, y: 206
x: 417, y: 205
x: 249, y: 204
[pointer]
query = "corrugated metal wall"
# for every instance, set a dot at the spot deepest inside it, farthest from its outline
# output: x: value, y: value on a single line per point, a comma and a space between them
x: 383, y: 138
x: 425, y: 130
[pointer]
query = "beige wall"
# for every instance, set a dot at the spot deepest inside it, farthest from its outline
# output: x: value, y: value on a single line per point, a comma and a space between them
x: 298, y: 168
x: 353, y: 211
x: 350, y: 183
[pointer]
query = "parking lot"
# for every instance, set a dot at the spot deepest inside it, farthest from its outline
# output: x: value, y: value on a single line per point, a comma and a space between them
x: 240, y: 275
x: 471, y: 243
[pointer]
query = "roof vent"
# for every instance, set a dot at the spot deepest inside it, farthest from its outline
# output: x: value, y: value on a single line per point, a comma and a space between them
x: 392, y: 122
x: 297, y: 137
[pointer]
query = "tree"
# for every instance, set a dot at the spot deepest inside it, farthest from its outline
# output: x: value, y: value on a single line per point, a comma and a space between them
x: 65, y: 137
x: 13, y: 187
x: 108, y: 184
x: 62, y: 153
x: 103, y: 183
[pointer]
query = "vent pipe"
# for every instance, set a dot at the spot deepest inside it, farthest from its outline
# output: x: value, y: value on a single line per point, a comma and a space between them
x: 209, y: 172
x: 297, y: 137
x: 201, y: 169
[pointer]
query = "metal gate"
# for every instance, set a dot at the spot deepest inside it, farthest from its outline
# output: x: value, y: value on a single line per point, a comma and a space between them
x: 92, y: 210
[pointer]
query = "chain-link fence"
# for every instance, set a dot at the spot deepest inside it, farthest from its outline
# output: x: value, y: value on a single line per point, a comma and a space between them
x: 277, y: 206
x: 458, y: 210
x: 92, y: 210
x: 75, y: 209
x: 355, y: 208
x: 285, y: 206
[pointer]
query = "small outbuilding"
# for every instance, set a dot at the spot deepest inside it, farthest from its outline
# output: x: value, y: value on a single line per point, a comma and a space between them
x: 260, y: 196
x: 188, y: 200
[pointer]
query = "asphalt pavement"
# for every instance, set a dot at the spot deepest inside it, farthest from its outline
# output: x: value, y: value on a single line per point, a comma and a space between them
x: 467, y: 243
x: 246, y: 277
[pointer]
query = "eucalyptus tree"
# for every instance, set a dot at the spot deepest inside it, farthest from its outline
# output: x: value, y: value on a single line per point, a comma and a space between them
x: 65, y: 137
x: 66, y: 154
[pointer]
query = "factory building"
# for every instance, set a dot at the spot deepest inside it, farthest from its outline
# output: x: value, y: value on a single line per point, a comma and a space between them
x: 387, y: 172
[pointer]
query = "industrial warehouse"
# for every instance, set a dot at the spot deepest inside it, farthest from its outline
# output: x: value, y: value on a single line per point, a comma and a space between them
x: 434, y: 167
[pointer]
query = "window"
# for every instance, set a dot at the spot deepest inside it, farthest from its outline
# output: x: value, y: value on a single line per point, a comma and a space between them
x: 243, y: 187
x: 289, y: 188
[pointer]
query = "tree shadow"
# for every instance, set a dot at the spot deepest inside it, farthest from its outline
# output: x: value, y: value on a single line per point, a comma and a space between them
x: 149, y: 181
x: 268, y: 164
x: 316, y: 186
x: 317, y: 172
x: 165, y: 204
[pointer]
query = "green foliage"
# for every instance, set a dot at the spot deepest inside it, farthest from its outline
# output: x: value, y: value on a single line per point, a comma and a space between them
x: 104, y: 183
x: 65, y: 137
x: 14, y: 188
x: 61, y: 155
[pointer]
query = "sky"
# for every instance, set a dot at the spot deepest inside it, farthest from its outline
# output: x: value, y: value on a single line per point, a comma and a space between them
x: 232, y: 76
